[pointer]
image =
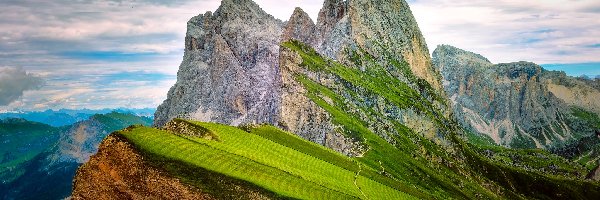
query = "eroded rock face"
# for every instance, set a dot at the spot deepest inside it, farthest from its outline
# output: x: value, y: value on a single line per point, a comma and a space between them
x: 391, y: 24
x: 231, y: 68
x: 302, y: 116
x: 594, y: 174
x: 574, y: 91
x: 300, y: 27
x: 513, y: 103
x: 229, y: 73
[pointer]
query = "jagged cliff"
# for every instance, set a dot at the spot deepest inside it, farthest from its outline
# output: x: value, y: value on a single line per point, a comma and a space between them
x: 515, y: 104
x: 229, y: 73
x: 231, y: 69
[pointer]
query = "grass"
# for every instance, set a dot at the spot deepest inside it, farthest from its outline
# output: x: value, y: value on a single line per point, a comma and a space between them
x: 416, y: 160
x: 260, y: 161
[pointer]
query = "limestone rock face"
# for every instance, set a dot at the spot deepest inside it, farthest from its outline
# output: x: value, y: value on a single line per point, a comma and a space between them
x: 229, y: 73
x: 304, y: 117
x: 575, y: 91
x: 391, y: 24
x: 513, y: 103
x: 300, y: 27
x: 375, y: 26
x: 594, y: 174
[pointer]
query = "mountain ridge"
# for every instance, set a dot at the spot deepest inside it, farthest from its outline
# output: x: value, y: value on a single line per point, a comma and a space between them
x: 516, y: 104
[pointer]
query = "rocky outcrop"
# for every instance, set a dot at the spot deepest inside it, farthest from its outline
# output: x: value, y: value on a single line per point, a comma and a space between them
x: 391, y: 24
x: 118, y: 171
x: 229, y: 73
x: 305, y: 117
x: 383, y: 28
x: 594, y: 174
x: 231, y: 68
x: 300, y: 27
x: 578, y: 92
x: 513, y: 103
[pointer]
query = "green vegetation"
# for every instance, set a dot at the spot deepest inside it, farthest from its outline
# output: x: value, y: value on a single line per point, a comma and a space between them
x: 588, y: 146
x: 261, y: 162
x: 22, y: 140
x: 479, y: 139
x: 115, y: 121
x: 537, y: 160
x: 431, y: 168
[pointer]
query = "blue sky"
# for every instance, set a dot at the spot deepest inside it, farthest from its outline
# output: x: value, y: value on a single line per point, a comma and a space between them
x: 125, y: 53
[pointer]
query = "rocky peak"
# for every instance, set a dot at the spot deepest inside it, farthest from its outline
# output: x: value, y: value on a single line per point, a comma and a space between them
x: 231, y: 70
x: 229, y: 73
x: 520, y: 69
x: 462, y: 56
x: 391, y: 24
x: 331, y: 13
x: 516, y: 104
x: 300, y: 27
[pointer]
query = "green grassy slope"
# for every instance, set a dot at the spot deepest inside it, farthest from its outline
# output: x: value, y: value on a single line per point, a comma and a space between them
x: 454, y: 170
x: 20, y: 141
x: 263, y: 162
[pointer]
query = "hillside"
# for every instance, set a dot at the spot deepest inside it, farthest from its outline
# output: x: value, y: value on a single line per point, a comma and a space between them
x: 45, y: 158
x: 265, y: 157
x: 21, y: 141
x: 213, y: 161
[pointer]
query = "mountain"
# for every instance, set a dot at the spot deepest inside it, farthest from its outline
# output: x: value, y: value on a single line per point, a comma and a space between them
x: 21, y: 141
x: 65, y: 117
x: 349, y: 107
x: 231, y: 72
x: 44, y: 158
x: 518, y: 105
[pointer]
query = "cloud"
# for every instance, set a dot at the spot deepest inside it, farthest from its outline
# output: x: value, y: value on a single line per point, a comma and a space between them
x: 557, y: 31
x: 14, y: 81
x: 131, y: 89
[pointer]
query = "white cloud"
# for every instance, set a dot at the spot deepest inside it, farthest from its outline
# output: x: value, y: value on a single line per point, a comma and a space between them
x: 542, y: 31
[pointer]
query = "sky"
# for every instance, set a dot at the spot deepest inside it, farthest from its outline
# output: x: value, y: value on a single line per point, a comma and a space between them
x: 125, y: 53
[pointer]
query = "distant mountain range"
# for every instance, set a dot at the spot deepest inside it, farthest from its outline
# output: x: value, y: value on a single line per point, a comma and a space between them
x: 64, y: 117
x: 39, y: 161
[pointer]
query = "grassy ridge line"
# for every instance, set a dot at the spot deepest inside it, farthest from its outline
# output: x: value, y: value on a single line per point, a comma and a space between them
x: 320, y: 152
x: 264, y: 151
x: 173, y: 147
x: 214, y: 158
x: 309, y: 167
x: 312, y: 149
